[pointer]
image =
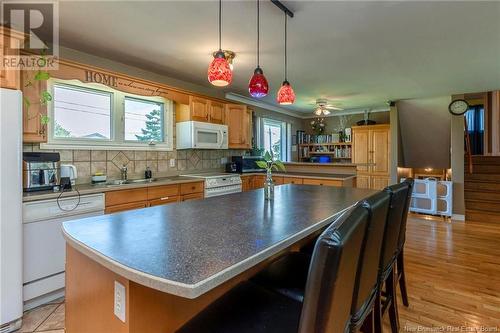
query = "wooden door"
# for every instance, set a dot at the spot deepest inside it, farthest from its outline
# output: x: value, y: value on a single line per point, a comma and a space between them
x: 379, y: 182
x: 199, y: 108
x: 363, y: 181
x: 124, y: 207
x: 360, y: 144
x: 239, y: 122
x: 379, y: 151
x: 10, y: 78
x: 322, y: 182
x: 217, y: 112
x: 258, y: 181
x: 163, y: 201
x: 192, y: 196
x: 292, y: 180
x: 246, y: 183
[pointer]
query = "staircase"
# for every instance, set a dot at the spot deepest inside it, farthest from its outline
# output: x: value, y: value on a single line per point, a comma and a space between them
x: 482, y: 190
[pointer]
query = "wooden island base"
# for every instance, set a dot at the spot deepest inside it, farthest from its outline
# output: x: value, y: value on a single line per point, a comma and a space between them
x: 90, y: 300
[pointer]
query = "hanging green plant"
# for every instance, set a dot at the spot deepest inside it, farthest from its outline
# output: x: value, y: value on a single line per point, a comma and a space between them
x: 45, y: 95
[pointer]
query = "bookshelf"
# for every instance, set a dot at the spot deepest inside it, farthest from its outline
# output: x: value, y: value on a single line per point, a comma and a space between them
x: 337, y: 151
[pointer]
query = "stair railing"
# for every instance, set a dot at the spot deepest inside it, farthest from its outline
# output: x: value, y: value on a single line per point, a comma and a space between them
x: 468, y: 150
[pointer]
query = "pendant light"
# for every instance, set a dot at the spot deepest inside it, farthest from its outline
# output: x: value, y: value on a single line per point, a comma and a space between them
x: 219, y: 72
x: 285, y: 96
x: 258, y: 86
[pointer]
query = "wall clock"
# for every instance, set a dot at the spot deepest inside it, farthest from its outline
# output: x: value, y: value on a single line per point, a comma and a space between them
x: 458, y: 107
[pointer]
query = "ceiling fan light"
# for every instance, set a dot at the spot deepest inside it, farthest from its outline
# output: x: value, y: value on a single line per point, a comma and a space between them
x: 326, y: 112
x: 258, y: 86
x: 318, y: 112
x: 219, y: 73
x: 286, y: 95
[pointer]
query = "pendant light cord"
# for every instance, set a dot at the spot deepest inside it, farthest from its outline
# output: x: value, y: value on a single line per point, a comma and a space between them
x: 258, y: 33
x: 286, y: 79
x: 220, y: 24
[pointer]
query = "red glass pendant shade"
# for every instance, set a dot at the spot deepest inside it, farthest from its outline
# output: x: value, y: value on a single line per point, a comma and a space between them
x: 285, y: 96
x: 258, y: 86
x: 219, y: 72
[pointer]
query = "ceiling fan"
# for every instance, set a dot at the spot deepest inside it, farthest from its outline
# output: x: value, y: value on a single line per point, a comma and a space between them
x: 323, y: 108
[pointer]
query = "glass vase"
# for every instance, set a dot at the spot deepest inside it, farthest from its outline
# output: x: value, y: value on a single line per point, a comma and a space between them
x: 269, y: 186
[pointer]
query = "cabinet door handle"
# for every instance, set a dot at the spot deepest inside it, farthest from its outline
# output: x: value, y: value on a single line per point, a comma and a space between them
x: 164, y: 198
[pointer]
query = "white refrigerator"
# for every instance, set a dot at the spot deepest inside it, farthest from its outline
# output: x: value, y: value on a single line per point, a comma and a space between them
x: 11, y: 237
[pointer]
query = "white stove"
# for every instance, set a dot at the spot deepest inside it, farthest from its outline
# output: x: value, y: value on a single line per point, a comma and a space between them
x: 217, y: 183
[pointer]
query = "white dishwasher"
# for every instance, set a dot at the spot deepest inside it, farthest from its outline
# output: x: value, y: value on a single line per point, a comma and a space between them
x: 44, y: 248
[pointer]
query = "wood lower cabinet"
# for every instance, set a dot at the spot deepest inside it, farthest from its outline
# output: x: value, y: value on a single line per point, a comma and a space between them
x: 239, y: 121
x: 163, y: 201
x: 124, y: 207
x: 293, y: 180
x: 192, y: 196
x: 371, y: 150
x: 278, y: 180
x: 258, y: 181
x: 246, y: 183
x: 121, y: 200
x: 322, y: 182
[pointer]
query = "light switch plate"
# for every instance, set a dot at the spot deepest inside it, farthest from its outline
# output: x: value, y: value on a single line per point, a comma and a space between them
x: 172, y: 162
x: 120, y: 301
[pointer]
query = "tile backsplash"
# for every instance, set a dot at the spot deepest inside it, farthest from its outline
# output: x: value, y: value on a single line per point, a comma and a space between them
x: 109, y: 162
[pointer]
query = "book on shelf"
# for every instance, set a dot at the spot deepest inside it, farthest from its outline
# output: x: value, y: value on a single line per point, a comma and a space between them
x: 303, y: 138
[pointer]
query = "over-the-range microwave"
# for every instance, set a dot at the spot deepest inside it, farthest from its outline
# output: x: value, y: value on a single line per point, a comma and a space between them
x: 199, y: 135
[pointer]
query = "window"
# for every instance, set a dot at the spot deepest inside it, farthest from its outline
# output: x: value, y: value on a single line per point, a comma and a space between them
x: 89, y: 115
x: 143, y: 120
x: 82, y: 113
x: 274, y: 135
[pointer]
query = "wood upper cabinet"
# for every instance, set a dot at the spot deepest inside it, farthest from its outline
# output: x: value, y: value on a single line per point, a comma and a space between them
x: 371, y: 146
x: 33, y: 129
x: 239, y: 122
x: 201, y: 109
x: 10, y: 43
x: 216, y: 112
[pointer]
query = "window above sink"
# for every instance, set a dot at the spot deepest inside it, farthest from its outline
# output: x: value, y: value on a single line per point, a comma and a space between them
x: 90, y: 115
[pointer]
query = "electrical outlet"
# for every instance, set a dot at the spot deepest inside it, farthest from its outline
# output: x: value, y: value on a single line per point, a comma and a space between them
x: 172, y: 162
x: 223, y: 160
x: 120, y: 301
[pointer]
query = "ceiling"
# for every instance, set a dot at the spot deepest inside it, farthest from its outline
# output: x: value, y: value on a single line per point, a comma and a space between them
x: 356, y: 54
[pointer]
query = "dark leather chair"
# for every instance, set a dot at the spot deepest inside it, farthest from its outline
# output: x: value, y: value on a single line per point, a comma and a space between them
x: 401, y: 243
x: 328, y: 293
x: 387, y: 299
x: 286, y: 275
x: 366, y: 289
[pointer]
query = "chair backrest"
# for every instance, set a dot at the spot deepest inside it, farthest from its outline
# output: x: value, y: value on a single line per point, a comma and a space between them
x: 377, y: 206
x: 332, y: 274
x: 398, y: 194
x: 402, y: 231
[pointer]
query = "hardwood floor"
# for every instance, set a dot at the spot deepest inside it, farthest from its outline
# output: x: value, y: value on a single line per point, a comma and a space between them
x: 453, y: 276
x: 453, y: 280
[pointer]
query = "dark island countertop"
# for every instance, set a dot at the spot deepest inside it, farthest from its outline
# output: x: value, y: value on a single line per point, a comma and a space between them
x: 189, y: 248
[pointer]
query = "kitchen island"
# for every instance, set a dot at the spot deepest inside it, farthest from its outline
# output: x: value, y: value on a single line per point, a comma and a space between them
x: 176, y: 259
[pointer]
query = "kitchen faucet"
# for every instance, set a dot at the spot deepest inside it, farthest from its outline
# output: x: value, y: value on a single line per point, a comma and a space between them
x: 124, y: 172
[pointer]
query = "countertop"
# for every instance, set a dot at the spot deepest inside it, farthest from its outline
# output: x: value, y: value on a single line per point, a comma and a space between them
x: 101, y: 188
x: 187, y: 249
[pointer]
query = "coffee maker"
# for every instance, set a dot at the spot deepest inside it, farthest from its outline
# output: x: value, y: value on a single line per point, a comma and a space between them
x: 40, y: 171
